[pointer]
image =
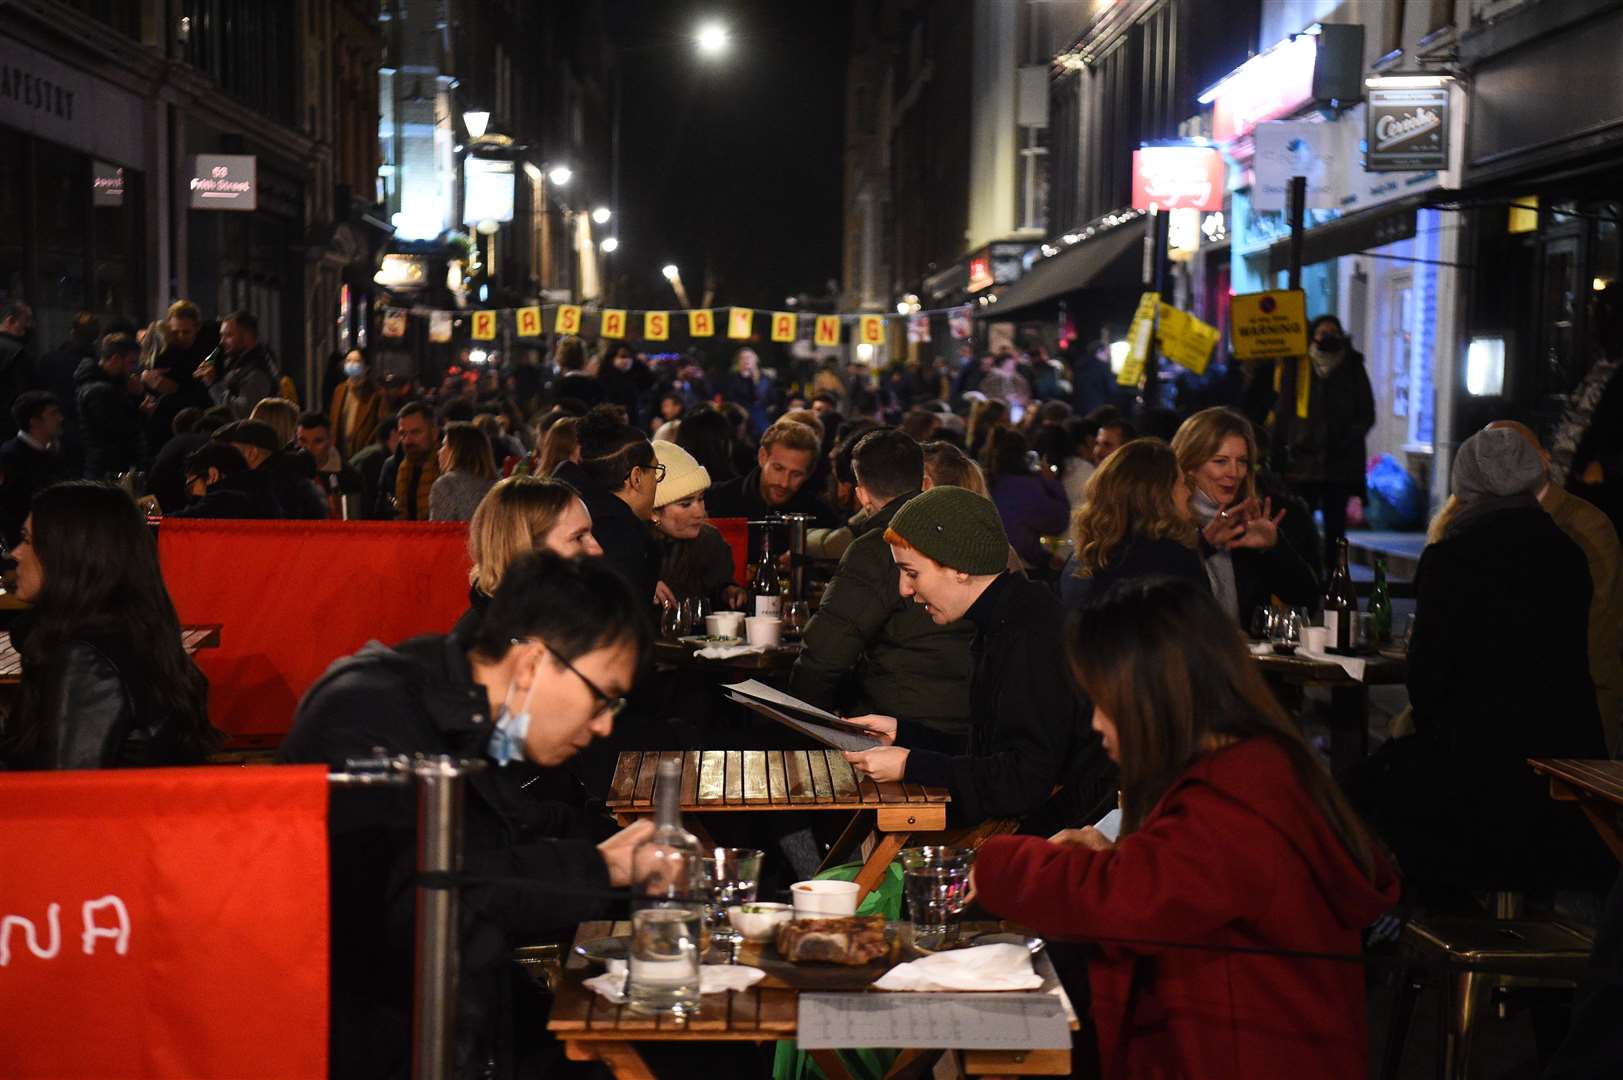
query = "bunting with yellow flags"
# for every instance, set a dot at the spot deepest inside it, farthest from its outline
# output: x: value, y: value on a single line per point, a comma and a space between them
x: 484, y: 326
x: 612, y: 323
x: 527, y: 321
x: 784, y: 326
x: 568, y: 321
x: 656, y: 326
x: 701, y: 323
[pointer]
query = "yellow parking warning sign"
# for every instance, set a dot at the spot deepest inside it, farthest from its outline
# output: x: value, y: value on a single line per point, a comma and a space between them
x: 1268, y: 325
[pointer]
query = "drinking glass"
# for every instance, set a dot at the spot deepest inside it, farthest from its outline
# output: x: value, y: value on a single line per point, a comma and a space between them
x: 1262, y: 623
x: 663, y: 975
x: 796, y: 614
x: 670, y: 622
x: 693, y: 615
x: 734, y: 874
x: 1286, y: 630
x: 935, y: 881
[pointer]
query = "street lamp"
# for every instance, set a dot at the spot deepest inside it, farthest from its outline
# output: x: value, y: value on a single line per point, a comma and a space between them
x: 610, y: 244
x: 476, y: 121
x: 671, y: 272
x: 712, y: 39
x: 601, y: 215
x: 560, y: 175
x: 674, y: 276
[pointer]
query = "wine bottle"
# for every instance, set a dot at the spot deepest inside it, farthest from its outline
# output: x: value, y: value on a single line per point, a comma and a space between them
x: 1340, y: 605
x: 668, y: 907
x: 764, y: 586
x: 1380, y: 604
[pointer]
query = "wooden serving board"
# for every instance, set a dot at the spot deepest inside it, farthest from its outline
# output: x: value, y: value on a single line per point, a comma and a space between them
x: 764, y: 955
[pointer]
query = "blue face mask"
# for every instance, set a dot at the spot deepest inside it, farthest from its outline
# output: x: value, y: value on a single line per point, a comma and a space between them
x: 506, y: 744
x: 354, y: 371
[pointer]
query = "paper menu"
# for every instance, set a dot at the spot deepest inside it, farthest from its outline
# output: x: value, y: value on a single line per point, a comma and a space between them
x: 829, y: 736
x: 808, y: 719
x: 993, y: 1021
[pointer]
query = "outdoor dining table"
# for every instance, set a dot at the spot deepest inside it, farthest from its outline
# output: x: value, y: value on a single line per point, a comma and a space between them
x: 594, y: 1029
x: 192, y: 638
x: 732, y: 781
x: 1597, y: 788
x: 678, y: 654
x: 1349, y: 696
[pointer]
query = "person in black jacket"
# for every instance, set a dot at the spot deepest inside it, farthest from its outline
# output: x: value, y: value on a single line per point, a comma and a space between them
x: 105, y: 681
x: 1247, y: 556
x: 31, y: 460
x: 56, y: 375
x: 289, y: 472
x: 1031, y: 730
x: 617, y: 476
x: 1135, y: 524
x: 110, y: 409
x: 221, y: 485
x: 784, y: 462
x: 546, y: 673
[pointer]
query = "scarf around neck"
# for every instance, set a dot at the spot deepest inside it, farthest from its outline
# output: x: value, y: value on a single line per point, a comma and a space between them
x: 1219, y: 564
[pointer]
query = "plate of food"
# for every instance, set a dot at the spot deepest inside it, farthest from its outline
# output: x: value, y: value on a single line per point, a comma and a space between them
x: 846, y: 953
x: 710, y: 641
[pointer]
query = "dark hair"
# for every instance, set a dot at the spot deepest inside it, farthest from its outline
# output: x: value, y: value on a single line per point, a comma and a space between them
x: 215, y: 455
x: 15, y: 309
x: 456, y: 410
x: 415, y: 408
x: 853, y: 432
x: 1170, y: 668
x: 470, y: 449
x: 244, y: 320
x: 570, y: 353
x: 213, y: 419
x: 29, y: 404
x: 611, y: 448
x: 1054, y: 443
x: 118, y: 345
x: 707, y: 435
x: 827, y: 397
x: 574, y: 605
x: 1320, y: 320
x: 386, y: 428
x: 102, y: 582
x: 921, y: 424
x: 888, y: 463
x: 1104, y: 416
x: 1005, y: 454
x: 315, y: 420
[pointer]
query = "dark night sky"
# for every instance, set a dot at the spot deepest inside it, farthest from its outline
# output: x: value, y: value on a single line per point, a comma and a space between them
x: 731, y: 167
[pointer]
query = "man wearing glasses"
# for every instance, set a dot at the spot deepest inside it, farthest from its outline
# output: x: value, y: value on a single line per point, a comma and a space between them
x: 617, y: 476
x: 547, y: 673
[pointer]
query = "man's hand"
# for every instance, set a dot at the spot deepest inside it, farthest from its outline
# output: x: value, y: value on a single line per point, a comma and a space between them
x: 663, y: 596
x: 617, y: 851
x: 1090, y: 838
x: 205, y: 373
x: 882, y: 728
x: 885, y: 763
x: 735, y: 597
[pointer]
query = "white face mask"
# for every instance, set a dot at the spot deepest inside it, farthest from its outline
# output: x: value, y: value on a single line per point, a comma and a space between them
x: 506, y: 744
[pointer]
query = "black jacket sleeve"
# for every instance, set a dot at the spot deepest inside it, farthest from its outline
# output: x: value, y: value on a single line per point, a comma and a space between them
x: 88, y: 712
x: 854, y: 609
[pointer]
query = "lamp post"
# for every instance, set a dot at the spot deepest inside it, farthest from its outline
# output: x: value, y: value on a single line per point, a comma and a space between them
x: 674, y: 276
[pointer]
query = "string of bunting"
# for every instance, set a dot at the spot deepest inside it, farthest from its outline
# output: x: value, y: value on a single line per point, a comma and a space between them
x: 735, y: 323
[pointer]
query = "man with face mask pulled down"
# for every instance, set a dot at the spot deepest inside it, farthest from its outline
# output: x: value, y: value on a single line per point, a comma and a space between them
x: 547, y: 672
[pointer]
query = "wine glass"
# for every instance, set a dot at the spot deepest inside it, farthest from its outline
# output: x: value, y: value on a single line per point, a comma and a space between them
x: 670, y: 622
x: 693, y: 612
x: 796, y: 614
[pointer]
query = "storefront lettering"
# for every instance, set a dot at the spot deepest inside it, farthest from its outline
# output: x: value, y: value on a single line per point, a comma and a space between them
x: 1391, y: 130
x: 33, y: 92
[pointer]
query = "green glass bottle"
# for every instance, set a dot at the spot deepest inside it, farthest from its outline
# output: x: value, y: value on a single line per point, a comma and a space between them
x: 1380, y: 604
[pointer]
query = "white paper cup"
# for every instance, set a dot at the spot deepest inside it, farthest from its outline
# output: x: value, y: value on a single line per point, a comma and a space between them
x: 763, y: 630
x: 718, y: 626
x: 732, y: 622
x: 824, y: 899
x: 1315, y: 638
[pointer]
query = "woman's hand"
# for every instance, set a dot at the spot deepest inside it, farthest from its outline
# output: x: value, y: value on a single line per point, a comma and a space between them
x: 1224, y: 529
x: 735, y: 597
x: 1090, y: 838
x: 663, y: 596
x: 1261, y: 525
x: 885, y: 763
x: 882, y: 728
x: 617, y: 851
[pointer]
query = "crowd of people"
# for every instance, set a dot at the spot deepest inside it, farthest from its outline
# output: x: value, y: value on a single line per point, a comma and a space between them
x: 1033, y: 600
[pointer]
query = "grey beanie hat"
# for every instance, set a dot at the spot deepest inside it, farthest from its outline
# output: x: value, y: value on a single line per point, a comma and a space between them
x: 1496, y: 464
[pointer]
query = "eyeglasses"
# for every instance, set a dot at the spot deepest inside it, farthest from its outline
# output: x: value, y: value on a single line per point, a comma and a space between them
x: 657, y: 468
x: 611, y: 705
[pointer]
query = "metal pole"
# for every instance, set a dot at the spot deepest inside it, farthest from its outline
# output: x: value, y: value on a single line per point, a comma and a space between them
x: 1285, y: 407
x: 439, y: 851
x: 1151, y: 395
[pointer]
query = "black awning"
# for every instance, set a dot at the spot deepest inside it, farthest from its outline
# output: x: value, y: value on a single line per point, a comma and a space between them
x: 1101, y: 260
x: 1352, y: 234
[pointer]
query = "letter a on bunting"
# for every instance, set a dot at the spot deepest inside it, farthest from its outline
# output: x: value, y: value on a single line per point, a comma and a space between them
x: 613, y: 324
x: 528, y: 321
x: 484, y: 325
x: 568, y: 321
x: 701, y: 323
x: 656, y: 326
x: 783, y: 326
x: 828, y: 330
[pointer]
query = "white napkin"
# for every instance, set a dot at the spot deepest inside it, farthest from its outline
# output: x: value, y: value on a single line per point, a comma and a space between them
x: 1352, y: 665
x: 727, y: 652
x: 980, y: 967
x: 1262, y: 648
x: 713, y: 979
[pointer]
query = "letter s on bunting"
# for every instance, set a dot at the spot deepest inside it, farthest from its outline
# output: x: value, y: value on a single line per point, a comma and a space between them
x: 568, y: 321
x: 528, y: 321
x: 484, y: 325
x: 656, y: 325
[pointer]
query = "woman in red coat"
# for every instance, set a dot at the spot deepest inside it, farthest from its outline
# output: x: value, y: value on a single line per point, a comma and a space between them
x: 1236, y: 851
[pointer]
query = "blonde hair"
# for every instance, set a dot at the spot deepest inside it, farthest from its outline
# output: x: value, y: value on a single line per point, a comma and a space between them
x: 1129, y: 496
x: 153, y: 342
x: 792, y: 435
x: 947, y: 466
x: 513, y: 518
x: 559, y: 444
x: 470, y: 449
x: 1200, y: 437
x: 807, y: 417
x: 279, y: 413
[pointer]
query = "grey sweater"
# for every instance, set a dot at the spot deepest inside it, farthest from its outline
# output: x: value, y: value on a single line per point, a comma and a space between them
x: 454, y: 496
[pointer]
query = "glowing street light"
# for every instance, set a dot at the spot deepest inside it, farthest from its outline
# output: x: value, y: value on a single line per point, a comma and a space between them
x: 671, y: 272
x: 601, y: 215
x: 476, y: 121
x: 560, y: 175
x: 713, y: 39
x: 610, y: 244
x: 674, y: 276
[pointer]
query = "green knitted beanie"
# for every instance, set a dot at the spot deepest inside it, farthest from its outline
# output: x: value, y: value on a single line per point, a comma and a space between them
x: 955, y: 527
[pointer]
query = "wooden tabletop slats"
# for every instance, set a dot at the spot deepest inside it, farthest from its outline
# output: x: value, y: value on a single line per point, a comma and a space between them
x: 758, y: 780
x: 1598, y: 778
x: 192, y: 638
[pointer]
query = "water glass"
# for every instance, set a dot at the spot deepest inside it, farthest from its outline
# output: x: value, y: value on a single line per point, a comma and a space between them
x: 734, y: 874
x: 663, y: 976
x: 796, y: 614
x: 694, y: 609
x: 935, y: 881
x: 670, y: 622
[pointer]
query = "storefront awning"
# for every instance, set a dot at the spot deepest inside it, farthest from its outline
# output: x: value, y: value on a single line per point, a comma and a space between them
x: 1355, y: 233
x: 1111, y: 258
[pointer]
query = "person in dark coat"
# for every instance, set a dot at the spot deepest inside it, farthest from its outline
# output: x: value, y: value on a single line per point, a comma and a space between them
x: 778, y: 484
x: 1243, y: 544
x: 169, y: 381
x: 1498, y: 673
x: 695, y: 560
x: 1030, y: 728
x: 289, y: 472
x: 110, y: 409
x: 30, y: 461
x: 194, y: 429
x: 617, y: 477
x: 57, y: 374
x: 221, y: 485
x: 546, y: 673
x: 1325, y: 452
x: 751, y: 388
x: 16, y: 366
x: 869, y: 649
x: 1032, y: 504
x: 1134, y: 525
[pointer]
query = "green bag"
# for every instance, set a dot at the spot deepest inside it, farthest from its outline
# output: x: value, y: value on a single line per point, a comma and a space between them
x: 792, y: 1063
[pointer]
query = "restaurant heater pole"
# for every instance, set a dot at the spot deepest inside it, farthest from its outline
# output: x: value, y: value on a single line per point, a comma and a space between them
x: 439, y: 852
x: 1285, y: 407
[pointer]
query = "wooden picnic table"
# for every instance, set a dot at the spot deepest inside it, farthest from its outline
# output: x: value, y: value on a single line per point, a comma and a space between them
x: 1597, y: 788
x: 731, y: 781
x: 594, y: 1029
x: 1349, y: 697
x: 676, y: 654
x: 192, y: 638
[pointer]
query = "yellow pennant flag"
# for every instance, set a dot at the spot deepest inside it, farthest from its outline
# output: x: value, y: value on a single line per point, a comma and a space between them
x: 656, y: 325
x: 740, y: 322
x: 1184, y: 339
x: 613, y: 323
x: 568, y: 321
x: 827, y: 330
x: 783, y: 326
x: 871, y: 330
x: 528, y: 321
x: 484, y: 326
x: 701, y: 323
x: 1304, y: 386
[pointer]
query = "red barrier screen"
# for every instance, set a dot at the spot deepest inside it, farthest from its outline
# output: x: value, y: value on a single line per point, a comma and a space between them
x: 736, y: 531
x: 293, y: 596
x: 164, y: 923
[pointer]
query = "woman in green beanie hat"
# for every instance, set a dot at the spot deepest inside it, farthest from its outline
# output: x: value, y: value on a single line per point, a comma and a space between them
x: 1031, y: 731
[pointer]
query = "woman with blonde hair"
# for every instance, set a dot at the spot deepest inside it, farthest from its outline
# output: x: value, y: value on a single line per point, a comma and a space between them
x: 518, y: 515
x: 1246, y: 559
x: 281, y: 414
x: 1135, y: 524
x: 947, y: 466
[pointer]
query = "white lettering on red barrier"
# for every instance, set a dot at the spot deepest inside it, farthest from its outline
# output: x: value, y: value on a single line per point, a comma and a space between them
x: 119, y: 934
